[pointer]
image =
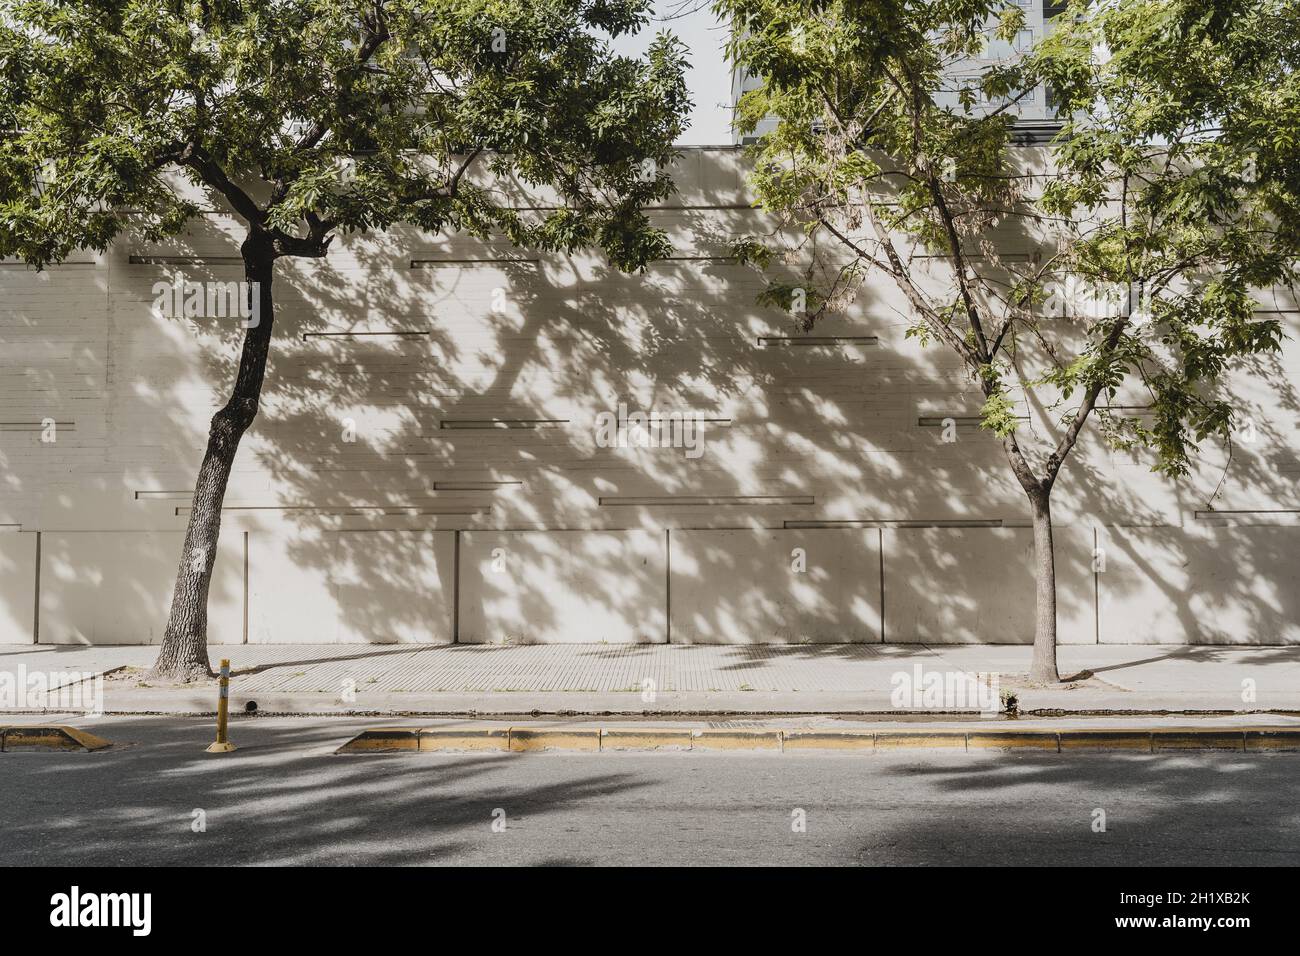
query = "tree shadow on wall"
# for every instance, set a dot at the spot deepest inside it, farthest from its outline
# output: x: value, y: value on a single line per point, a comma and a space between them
x: 431, y: 408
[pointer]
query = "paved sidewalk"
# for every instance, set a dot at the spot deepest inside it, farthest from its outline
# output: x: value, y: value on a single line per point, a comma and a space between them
x: 667, y: 679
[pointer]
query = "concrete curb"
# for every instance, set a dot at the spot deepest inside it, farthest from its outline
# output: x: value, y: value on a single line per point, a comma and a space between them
x: 55, y: 737
x: 599, y: 739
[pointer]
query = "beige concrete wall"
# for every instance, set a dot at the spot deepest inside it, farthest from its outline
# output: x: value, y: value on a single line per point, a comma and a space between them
x: 17, y: 587
x: 776, y: 587
x: 976, y: 585
x: 116, y: 588
x: 562, y: 587
x: 1214, y: 585
x: 382, y: 587
x: 372, y: 433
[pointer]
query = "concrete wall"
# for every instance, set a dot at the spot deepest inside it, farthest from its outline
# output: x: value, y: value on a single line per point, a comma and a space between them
x: 420, y: 387
x: 1201, y: 585
x: 18, y: 590
x: 562, y: 587
x: 967, y: 585
x: 1218, y: 585
x: 382, y: 587
x: 776, y: 587
x: 112, y: 587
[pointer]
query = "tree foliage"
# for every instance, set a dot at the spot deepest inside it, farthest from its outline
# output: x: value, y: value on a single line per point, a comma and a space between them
x: 1173, y: 183
x: 313, y: 117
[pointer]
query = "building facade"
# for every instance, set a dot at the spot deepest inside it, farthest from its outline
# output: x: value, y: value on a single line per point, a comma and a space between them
x: 461, y: 442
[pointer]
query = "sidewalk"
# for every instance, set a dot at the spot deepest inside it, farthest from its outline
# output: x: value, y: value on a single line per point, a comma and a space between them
x: 677, y: 679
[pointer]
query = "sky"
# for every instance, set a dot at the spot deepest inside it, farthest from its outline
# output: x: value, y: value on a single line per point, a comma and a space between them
x: 709, y: 78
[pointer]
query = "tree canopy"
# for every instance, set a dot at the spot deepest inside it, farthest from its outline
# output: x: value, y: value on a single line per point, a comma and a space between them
x: 317, y: 116
x: 311, y: 118
x: 1114, y: 277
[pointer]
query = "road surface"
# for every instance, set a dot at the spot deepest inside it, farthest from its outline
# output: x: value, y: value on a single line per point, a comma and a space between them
x: 285, y: 798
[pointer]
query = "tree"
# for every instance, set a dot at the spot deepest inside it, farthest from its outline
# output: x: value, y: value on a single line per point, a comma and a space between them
x: 311, y: 118
x: 1169, y: 198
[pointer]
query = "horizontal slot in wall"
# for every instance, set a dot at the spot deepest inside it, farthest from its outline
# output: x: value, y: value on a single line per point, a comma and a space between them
x: 717, y: 260
x: 1262, y: 515
x: 895, y: 523
x: 814, y: 341
x: 78, y: 264
x: 663, y: 420
x: 483, y: 424
x: 376, y: 334
x: 353, y: 510
x: 530, y: 264
x: 982, y: 257
x: 940, y: 421
x: 668, y: 501
x: 490, y: 486
x: 151, y: 260
x: 36, y: 426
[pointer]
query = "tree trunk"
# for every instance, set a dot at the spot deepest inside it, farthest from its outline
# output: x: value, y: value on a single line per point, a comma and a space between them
x: 184, y: 652
x: 1042, y: 668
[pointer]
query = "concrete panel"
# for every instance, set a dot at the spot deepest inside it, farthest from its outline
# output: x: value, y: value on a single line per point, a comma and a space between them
x: 362, y: 587
x: 17, y: 587
x: 562, y: 587
x: 111, y: 587
x: 976, y: 585
x: 776, y: 586
x: 1232, y: 585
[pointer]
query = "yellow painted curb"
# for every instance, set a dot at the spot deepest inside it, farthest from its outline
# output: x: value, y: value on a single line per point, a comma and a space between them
x: 1197, y: 739
x: 1139, y: 740
x: 593, y: 739
x: 576, y: 739
x: 492, y: 738
x: 634, y: 739
x: 57, y: 737
x: 829, y: 740
x: 88, y: 740
x: 892, y: 739
x: 1266, y: 739
x: 1013, y: 740
x: 735, y: 740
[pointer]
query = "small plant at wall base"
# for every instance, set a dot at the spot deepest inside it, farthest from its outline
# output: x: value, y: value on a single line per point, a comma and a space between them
x: 1175, y: 182
x: 308, y: 119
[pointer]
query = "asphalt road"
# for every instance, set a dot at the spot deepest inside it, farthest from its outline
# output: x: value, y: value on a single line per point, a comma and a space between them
x: 285, y: 798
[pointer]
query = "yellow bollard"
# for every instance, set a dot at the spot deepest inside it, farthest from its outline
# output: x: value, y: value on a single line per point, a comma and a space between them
x: 222, y: 745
